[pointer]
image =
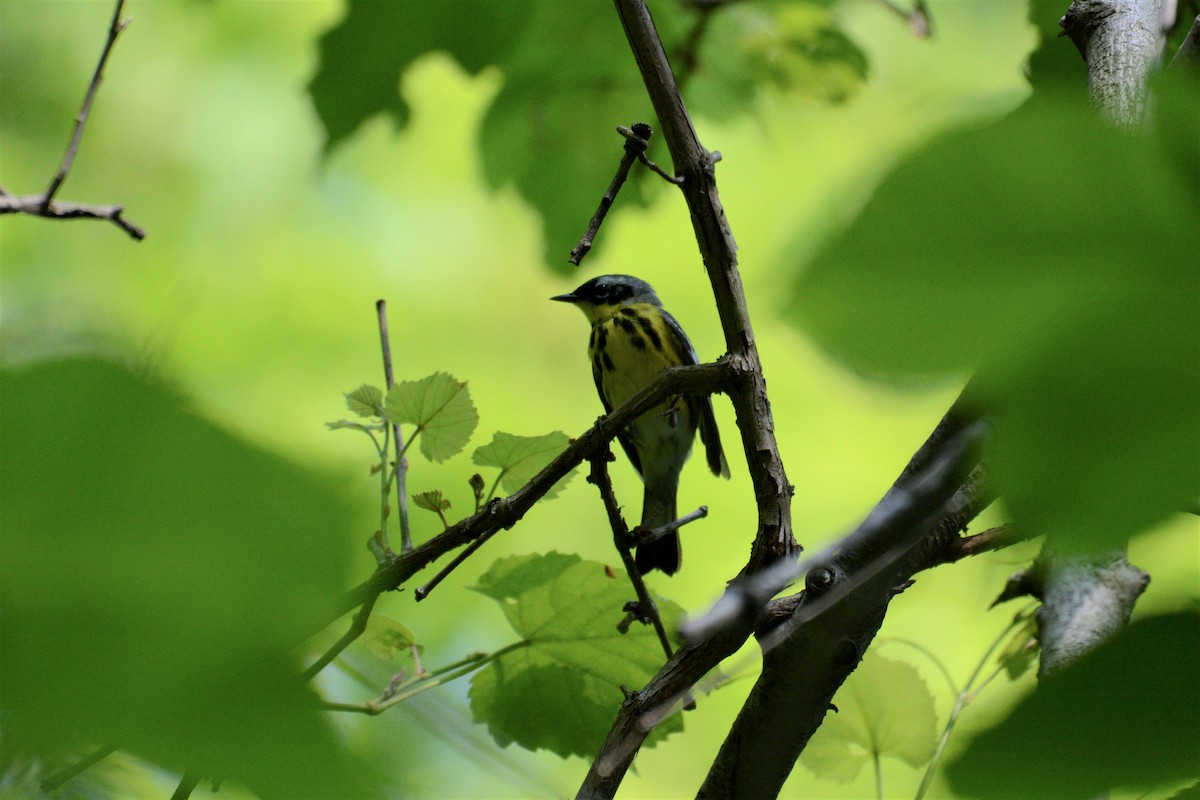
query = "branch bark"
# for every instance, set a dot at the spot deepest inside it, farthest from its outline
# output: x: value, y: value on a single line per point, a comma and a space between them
x: 814, y: 640
x: 694, y: 165
x: 1121, y: 41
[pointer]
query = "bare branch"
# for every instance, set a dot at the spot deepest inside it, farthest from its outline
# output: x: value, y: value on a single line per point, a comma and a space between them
x: 647, y: 609
x: 114, y: 30
x: 748, y: 393
x: 637, y: 139
x: 44, y: 205
x: 34, y: 205
x: 986, y: 541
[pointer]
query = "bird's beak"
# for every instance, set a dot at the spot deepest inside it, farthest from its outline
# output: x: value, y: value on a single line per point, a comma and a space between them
x: 569, y: 297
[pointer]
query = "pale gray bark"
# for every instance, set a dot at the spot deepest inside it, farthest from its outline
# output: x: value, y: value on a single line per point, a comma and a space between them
x: 1122, y: 43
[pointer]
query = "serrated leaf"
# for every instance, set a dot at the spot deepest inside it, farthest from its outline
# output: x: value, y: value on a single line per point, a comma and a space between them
x: 885, y: 710
x: 365, y: 401
x: 561, y: 689
x: 519, y: 458
x: 442, y: 410
x: 431, y: 500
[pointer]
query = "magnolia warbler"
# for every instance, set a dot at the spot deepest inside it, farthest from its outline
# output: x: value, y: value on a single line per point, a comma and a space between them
x: 633, y: 339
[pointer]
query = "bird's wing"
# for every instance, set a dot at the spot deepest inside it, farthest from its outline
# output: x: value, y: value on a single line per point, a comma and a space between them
x: 700, y: 405
x: 623, y: 438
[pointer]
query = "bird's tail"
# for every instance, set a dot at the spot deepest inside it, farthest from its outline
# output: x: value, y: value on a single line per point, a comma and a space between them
x: 658, y: 508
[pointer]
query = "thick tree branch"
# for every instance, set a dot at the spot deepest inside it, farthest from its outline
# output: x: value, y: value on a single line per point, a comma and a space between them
x: 1121, y: 42
x: 902, y: 512
x: 825, y: 630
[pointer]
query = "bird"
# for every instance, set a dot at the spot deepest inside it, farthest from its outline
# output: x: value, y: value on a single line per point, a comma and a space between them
x: 633, y: 338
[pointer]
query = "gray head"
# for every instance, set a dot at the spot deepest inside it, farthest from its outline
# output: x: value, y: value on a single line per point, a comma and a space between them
x: 611, y: 291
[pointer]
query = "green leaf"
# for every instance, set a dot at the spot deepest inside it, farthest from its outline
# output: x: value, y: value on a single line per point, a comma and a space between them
x: 442, y: 410
x: 362, y: 57
x: 431, y: 500
x: 798, y: 48
x: 994, y: 250
x: 561, y: 689
x: 519, y: 458
x: 389, y: 639
x: 166, y: 570
x: 365, y: 401
x: 1124, y: 716
x: 1018, y: 655
x: 884, y: 709
x: 550, y: 127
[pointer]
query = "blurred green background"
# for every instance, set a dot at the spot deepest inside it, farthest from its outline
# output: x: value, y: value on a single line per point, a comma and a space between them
x: 253, y: 295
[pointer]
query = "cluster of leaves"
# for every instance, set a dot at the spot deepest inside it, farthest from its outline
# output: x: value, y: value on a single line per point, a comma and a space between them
x: 556, y: 687
x: 1052, y: 254
x: 559, y: 689
x: 444, y: 418
x: 564, y: 91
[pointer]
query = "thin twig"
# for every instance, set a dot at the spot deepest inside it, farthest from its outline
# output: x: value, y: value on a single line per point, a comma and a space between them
x: 647, y: 608
x: 357, y: 626
x: 991, y: 539
x: 187, y: 784
x: 423, y: 591
x: 114, y: 30
x: 56, y: 779
x: 44, y: 205
x: 961, y: 700
x: 32, y: 205
x: 640, y: 536
x: 919, y: 20
x: 398, y: 442
x: 636, y: 140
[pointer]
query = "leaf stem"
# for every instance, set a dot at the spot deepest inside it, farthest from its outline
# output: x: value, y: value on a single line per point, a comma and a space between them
x: 965, y: 696
x: 401, y: 465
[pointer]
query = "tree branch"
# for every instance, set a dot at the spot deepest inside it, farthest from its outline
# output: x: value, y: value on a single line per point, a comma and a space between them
x: 44, y: 205
x: 647, y: 609
x: 748, y: 391
x: 823, y: 632
x: 1121, y: 41
x: 1188, y: 54
x: 903, y: 511
x: 34, y: 205
x: 505, y: 512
